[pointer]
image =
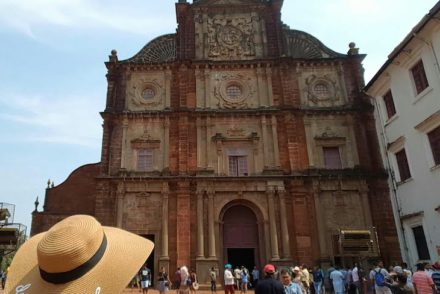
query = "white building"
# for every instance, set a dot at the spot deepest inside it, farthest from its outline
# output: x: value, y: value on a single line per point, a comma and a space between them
x: 406, y: 91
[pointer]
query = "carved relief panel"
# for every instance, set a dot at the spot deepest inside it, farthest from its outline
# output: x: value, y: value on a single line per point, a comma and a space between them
x: 331, y: 134
x: 148, y: 91
x: 322, y: 89
x: 233, y: 89
x: 229, y: 37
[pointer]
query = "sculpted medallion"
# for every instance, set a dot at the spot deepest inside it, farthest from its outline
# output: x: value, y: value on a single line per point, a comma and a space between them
x: 232, y: 90
x: 231, y: 38
x: 146, y: 92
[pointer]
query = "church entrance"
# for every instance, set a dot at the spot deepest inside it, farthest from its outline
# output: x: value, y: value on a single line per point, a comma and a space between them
x: 240, y: 237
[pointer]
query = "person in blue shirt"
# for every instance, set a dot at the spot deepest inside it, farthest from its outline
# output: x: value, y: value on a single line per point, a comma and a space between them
x: 289, y: 286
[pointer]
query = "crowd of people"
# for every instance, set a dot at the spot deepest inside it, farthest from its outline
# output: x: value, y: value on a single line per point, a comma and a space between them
x: 396, y: 279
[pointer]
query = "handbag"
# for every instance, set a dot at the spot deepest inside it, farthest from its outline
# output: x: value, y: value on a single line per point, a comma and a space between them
x: 195, y: 286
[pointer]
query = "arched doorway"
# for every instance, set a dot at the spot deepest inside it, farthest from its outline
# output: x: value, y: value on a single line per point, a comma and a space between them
x: 240, y: 237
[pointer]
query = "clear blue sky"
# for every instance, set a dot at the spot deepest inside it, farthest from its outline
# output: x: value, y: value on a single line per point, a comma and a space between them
x: 52, y: 73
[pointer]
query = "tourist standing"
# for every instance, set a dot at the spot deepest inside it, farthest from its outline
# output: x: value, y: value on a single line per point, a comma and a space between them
x: 229, y: 280
x: 145, y: 278
x: 194, y: 283
x: 338, y: 281
x: 244, y: 280
x: 163, y: 281
x: 213, y: 276
x: 436, y: 276
x: 318, y: 279
x: 408, y: 274
x: 305, y: 277
x: 237, y: 276
x: 255, y: 276
x: 185, y: 280
x: 269, y: 285
x: 289, y: 286
x: 355, y: 279
x: 176, y: 280
x: 423, y: 283
x: 378, y: 276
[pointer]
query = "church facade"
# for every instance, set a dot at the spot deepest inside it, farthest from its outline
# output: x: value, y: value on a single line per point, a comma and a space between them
x: 237, y: 140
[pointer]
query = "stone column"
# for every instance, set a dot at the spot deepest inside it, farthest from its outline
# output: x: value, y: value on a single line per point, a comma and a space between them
x: 211, y: 230
x: 200, y: 235
x: 165, y: 196
x: 124, y: 142
x: 208, y: 143
x: 283, y: 220
x: 199, y: 143
x: 273, y: 227
x: 168, y: 77
x: 276, y: 150
x: 120, y: 204
x: 207, y: 88
x: 269, y: 86
x: 260, y: 85
x: 265, y: 141
x: 166, y: 142
x: 321, y: 223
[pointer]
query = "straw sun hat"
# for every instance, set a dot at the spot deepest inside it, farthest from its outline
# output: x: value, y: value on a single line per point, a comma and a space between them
x: 77, y: 255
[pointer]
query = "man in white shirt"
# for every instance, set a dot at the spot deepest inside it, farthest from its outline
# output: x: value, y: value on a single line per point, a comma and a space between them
x: 229, y: 280
x: 356, y: 284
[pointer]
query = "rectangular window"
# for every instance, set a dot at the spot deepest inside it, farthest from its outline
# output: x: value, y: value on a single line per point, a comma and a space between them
x: 332, y: 157
x: 419, y: 77
x: 145, y: 160
x: 402, y: 163
x: 238, y: 166
x: 434, y: 141
x: 422, y: 246
x: 389, y: 104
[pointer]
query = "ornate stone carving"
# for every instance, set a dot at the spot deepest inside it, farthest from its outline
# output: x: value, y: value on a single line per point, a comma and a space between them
x: 145, y: 141
x: 232, y: 90
x: 235, y: 131
x: 147, y: 92
x: 322, y: 89
x: 231, y: 38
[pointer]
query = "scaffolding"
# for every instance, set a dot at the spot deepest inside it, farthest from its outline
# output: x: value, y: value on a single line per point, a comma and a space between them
x: 12, y: 235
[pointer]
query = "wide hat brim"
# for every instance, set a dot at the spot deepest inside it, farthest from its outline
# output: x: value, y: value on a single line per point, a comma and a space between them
x: 124, y: 256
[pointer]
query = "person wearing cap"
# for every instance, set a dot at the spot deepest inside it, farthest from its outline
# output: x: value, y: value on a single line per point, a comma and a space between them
x: 77, y: 255
x: 269, y: 285
x: 229, y: 280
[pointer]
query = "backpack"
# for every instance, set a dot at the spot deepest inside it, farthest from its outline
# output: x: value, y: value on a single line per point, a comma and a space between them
x: 379, y: 278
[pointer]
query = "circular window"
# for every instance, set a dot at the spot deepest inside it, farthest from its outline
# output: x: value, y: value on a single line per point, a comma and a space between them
x: 148, y: 93
x: 234, y: 91
x: 321, y: 90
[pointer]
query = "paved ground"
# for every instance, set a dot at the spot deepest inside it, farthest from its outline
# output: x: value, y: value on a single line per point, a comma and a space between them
x: 170, y: 292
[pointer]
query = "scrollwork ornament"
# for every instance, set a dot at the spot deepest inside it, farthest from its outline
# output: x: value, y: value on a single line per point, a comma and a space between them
x: 225, y: 80
x: 332, y: 87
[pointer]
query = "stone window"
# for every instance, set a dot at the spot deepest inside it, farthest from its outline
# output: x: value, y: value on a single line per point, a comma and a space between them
x: 148, y: 93
x: 421, y: 244
x: 145, y: 160
x: 419, y: 77
x: 402, y: 164
x: 234, y: 91
x: 238, y: 166
x: 434, y: 141
x: 332, y: 157
x: 321, y: 90
x: 389, y: 104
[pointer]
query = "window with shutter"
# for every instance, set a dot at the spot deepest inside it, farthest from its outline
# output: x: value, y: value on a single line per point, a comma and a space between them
x: 419, y: 77
x: 332, y: 158
x: 238, y: 166
x: 434, y: 141
x: 145, y: 160
x: 402, y: 163
x: 389, y: 104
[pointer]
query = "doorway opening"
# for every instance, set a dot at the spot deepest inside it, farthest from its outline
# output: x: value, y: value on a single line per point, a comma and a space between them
x: 241, y: 257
